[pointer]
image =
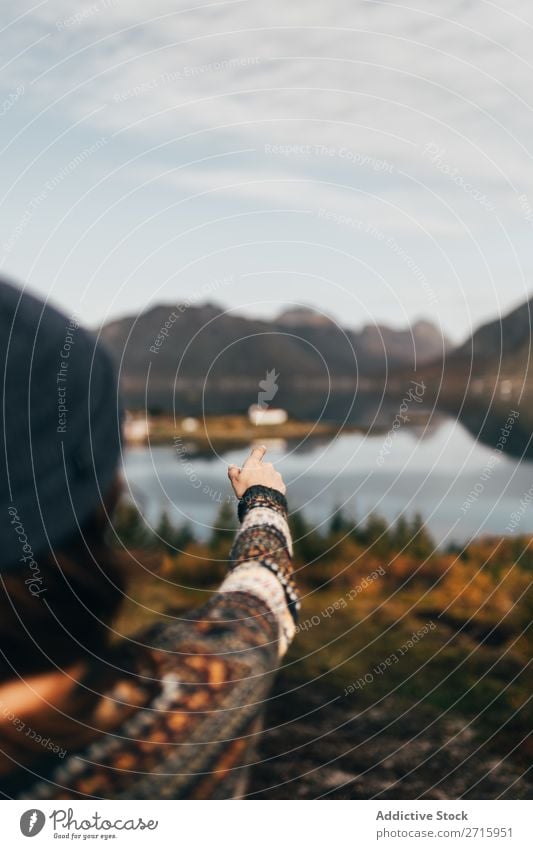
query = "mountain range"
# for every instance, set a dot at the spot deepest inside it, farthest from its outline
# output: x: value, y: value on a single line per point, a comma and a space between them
x: 502, y: 345
x: 493, y: 364
x: 203, y: 358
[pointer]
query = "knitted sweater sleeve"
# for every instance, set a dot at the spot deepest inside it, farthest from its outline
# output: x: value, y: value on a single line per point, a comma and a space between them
x: 208, y: 673
x: 261, y: 559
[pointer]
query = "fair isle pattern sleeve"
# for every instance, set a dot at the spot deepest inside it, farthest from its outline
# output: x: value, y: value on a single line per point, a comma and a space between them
x: 190, y: 693
x: 261, y: 559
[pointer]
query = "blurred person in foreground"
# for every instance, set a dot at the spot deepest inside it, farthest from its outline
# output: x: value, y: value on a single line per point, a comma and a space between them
x: 174, y: 712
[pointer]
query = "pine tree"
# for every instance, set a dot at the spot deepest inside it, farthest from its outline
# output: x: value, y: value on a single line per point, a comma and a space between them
x: 401, y: 536
x: 376, y: 535
x: 339, y: 524
x: 309, y: 544
x: 421, y: 544
x: 183, y: 537
x: 131, y: 528
x: 166, y: 533
x: 224, y: 528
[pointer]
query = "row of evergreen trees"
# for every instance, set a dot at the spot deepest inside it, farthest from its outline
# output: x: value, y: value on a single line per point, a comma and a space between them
x: 374, y: 534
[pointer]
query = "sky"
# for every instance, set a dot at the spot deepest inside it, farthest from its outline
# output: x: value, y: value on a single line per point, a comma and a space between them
x: 372, y: 159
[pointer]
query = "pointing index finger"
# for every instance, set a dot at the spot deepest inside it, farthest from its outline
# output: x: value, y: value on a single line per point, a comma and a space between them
x: 256, y: 456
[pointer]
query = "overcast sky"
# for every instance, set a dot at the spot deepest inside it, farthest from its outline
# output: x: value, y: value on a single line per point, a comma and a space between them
x: 373, y: 159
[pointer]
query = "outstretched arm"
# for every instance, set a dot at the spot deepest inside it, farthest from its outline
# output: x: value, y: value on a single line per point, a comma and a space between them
x: 202, y: 684
x: 225, y: 655
x: 261, y: 558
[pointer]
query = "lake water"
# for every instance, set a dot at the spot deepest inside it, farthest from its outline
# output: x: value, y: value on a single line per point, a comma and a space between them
x: 431, y: 469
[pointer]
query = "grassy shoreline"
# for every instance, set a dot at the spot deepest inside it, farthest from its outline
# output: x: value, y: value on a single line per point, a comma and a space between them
x: 237, y: 430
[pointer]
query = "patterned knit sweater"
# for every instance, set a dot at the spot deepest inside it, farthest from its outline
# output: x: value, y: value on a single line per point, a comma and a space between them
x: 198, y: 685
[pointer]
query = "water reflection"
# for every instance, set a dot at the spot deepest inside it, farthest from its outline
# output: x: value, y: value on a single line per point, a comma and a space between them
x: 431, y: 467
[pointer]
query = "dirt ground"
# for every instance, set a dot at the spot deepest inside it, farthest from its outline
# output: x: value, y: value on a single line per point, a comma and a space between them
x: 312, y: 749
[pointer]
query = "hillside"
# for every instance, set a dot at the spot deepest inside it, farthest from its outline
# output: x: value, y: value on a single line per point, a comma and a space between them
x: 503, y: 344
x: 486, y: 376
x: 203, y: 358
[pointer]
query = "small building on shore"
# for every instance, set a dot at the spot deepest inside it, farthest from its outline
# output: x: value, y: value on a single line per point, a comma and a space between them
x: 267, y: 415
x: 136, y: 429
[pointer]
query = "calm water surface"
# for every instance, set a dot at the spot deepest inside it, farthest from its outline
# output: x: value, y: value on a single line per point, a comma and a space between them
x: 432, y: 470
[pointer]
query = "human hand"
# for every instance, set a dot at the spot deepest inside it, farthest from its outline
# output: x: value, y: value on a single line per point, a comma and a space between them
x: 255, y: 473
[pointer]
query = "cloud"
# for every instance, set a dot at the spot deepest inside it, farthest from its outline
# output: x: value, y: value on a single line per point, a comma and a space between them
x: 387, y: 77
x: 195, y: 95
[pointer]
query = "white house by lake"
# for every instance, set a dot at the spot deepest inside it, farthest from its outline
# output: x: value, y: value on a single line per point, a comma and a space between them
x: 267, y: 416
